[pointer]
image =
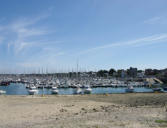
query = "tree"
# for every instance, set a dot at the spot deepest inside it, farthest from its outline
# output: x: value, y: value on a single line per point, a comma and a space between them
x: 111, y: 71
x: 119, y: 72
x: 152, y: 72
x: 102, y: 73
x: 139, y: 71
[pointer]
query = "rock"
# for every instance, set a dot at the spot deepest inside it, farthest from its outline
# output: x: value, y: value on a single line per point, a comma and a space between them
x: 63, y: 110
x: 95, y: 110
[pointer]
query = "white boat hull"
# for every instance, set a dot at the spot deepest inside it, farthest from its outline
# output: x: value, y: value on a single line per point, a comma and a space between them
x: 2, y: 92
x: 78, y: 91
x: 33, y: 92
x: 88, y: 91
x: 55, y: 91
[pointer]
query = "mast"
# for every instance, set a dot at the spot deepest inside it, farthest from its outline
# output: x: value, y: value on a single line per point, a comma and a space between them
x: 77, y: 71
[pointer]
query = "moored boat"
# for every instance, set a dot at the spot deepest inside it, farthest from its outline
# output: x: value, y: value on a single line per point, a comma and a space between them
x: 157, y: 89
x: 55, y: 90
x: 87, y: 90
x: 2, y: 92
x: 32, y: 90
x: 165, y: 88
x: 129, y: 89
x: 78, y: 90
x: 4, y: 83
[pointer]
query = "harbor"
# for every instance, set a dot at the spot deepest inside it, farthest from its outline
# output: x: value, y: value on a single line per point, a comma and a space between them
x: 130, y: 80
x: 46, y: 84
x: 20, y: 89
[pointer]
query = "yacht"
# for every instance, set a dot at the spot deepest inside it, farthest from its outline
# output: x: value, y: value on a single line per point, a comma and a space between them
x: 78, y: 90
x: 32, y: 90
x: 55, y: 90
x: 87, y: 90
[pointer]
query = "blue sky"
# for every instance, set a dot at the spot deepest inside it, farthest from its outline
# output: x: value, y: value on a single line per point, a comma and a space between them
x: 100, y: 34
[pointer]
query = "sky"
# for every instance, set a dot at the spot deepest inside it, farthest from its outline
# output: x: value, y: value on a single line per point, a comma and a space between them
x: 56, y: 35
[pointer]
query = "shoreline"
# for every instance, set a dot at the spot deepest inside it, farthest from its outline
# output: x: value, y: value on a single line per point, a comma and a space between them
x: 40, y: 95
x: 85, y: 111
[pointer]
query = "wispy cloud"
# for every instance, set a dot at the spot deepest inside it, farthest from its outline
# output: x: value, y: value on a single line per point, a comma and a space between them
x: 20, y: 33
x: 154, y: 39
x: 25, y: 32
x: 156, y: 20
x: 28, y: 44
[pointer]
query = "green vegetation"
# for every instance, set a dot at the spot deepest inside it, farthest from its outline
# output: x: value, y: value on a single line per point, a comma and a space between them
x: 111, y: 71
x: 160, y: 121
x: 102, y: 73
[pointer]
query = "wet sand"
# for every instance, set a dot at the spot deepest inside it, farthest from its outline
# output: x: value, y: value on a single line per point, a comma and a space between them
x: 137, y: 110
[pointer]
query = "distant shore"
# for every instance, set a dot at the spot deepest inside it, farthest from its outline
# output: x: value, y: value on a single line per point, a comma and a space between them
x: 133, y: 110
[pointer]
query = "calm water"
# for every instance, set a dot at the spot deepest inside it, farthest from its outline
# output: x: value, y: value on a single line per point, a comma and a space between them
x: 19, y: 89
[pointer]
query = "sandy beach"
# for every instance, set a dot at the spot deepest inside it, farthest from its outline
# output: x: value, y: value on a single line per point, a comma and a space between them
x: 137, y: 110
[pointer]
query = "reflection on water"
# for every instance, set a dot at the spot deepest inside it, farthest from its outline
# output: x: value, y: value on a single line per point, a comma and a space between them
x: 19, y: 89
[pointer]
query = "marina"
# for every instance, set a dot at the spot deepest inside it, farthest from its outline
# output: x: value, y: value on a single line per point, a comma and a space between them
x: 45, y: 84
x: 20, y: 89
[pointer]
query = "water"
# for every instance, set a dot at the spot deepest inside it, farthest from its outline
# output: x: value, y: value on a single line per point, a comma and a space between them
x: 15, y: 89
x: 19, y: 89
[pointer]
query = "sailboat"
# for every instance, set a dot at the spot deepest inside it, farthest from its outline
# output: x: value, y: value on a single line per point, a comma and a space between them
x: 78, y: 90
